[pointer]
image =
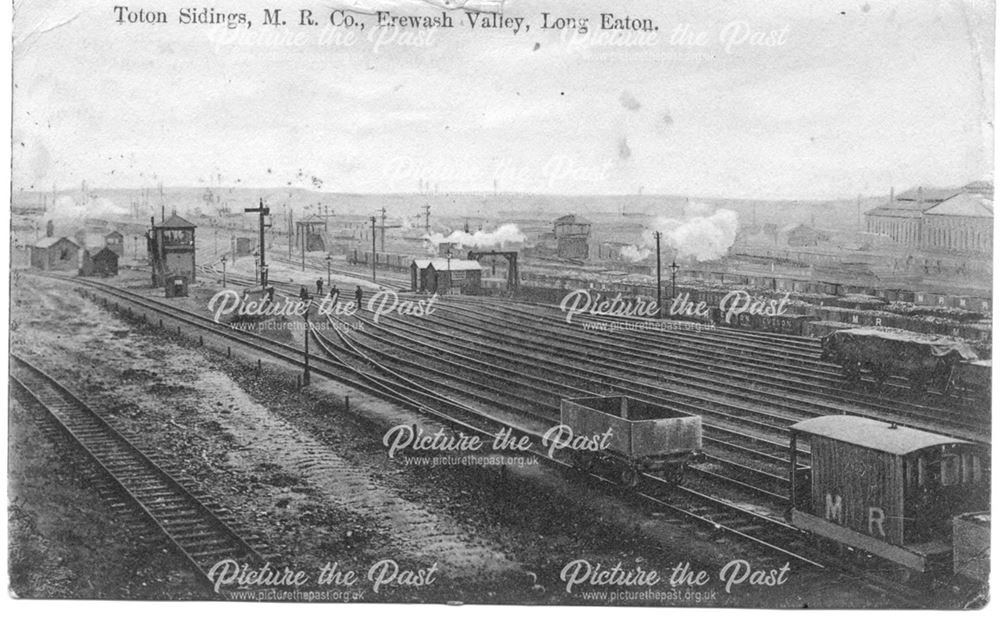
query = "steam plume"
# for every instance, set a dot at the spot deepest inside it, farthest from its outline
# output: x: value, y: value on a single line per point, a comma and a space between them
x: 508, y: 232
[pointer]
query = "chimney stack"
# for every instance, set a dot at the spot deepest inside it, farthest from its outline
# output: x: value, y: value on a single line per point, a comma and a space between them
x: 50, y: 229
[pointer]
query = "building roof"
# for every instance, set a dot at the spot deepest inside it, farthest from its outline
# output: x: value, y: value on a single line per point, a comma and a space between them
x: 982, y: 187
x: 444, y: 264
x: 800, y: 227
x: 874, y: 434
x: 45, y: 243
x: 176, y: 222
x: 105, y: 252
x: 571, y: 218
x: 421, y: 264
x: 114, y: 233
x: 930, y: 195
x: 901, y: 209
x: 964, y: 204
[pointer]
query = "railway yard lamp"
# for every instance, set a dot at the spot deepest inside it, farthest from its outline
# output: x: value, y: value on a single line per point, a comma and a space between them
x: 673, y: 278
x: 328, y: 260
x: 305, y: 372
x: 223, y: 271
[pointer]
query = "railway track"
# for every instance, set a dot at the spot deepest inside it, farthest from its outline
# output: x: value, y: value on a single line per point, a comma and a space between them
x: 386, y: 278
x: 751, y: 379
x: 473, y: 377
x: 194, y: 528
x: 458, y: 414
x: 735, y: 520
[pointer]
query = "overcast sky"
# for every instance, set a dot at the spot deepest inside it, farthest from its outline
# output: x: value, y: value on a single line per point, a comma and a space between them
x: 859, y: 97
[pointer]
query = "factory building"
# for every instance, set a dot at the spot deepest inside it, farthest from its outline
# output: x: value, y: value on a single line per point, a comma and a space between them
x: 955, y: 220
x: 962, y: 223
x: 801, y: 235
x: 572, y: 237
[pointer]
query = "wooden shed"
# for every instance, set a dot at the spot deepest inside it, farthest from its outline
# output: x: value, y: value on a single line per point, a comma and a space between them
x: 418, y: 275
x: 884, y: 488
x: 99, y: 263
x: 55, y: 254
x: 115, y: 241
x: 451, y: 276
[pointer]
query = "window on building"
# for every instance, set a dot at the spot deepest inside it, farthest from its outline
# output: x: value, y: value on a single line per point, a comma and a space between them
x: 950, y: 470
x: 971, y: 469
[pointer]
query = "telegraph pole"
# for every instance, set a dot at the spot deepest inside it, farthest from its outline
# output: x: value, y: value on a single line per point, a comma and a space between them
x: 427, y: 217
x: 305, y: 370
x: 382, y: 241
x: 373, y: 248
x: 659, y: 290
x: 262, y: 212
x: 673, y: 277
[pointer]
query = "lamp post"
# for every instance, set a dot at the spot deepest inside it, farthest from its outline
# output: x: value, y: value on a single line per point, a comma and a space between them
x: 223, y: 271
x: 673, y: 278
x: 305, y: 371
x: 328, y: 260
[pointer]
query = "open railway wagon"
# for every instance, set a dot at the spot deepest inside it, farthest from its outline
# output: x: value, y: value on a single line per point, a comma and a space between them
x: 628, y: 437
x: 885, y: 489
x: 785, y: 324
x: 922, y: 359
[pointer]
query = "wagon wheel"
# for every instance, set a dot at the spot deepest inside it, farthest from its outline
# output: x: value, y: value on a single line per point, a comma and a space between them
x: 903, y: 575
x: 629, y: 477
x: 674, y: 475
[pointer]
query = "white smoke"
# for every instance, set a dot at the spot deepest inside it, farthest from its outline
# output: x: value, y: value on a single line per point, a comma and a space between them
x: 66, y: 210
x: 632, y: 253
x: 702, y: 235
x: 506, y: 233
